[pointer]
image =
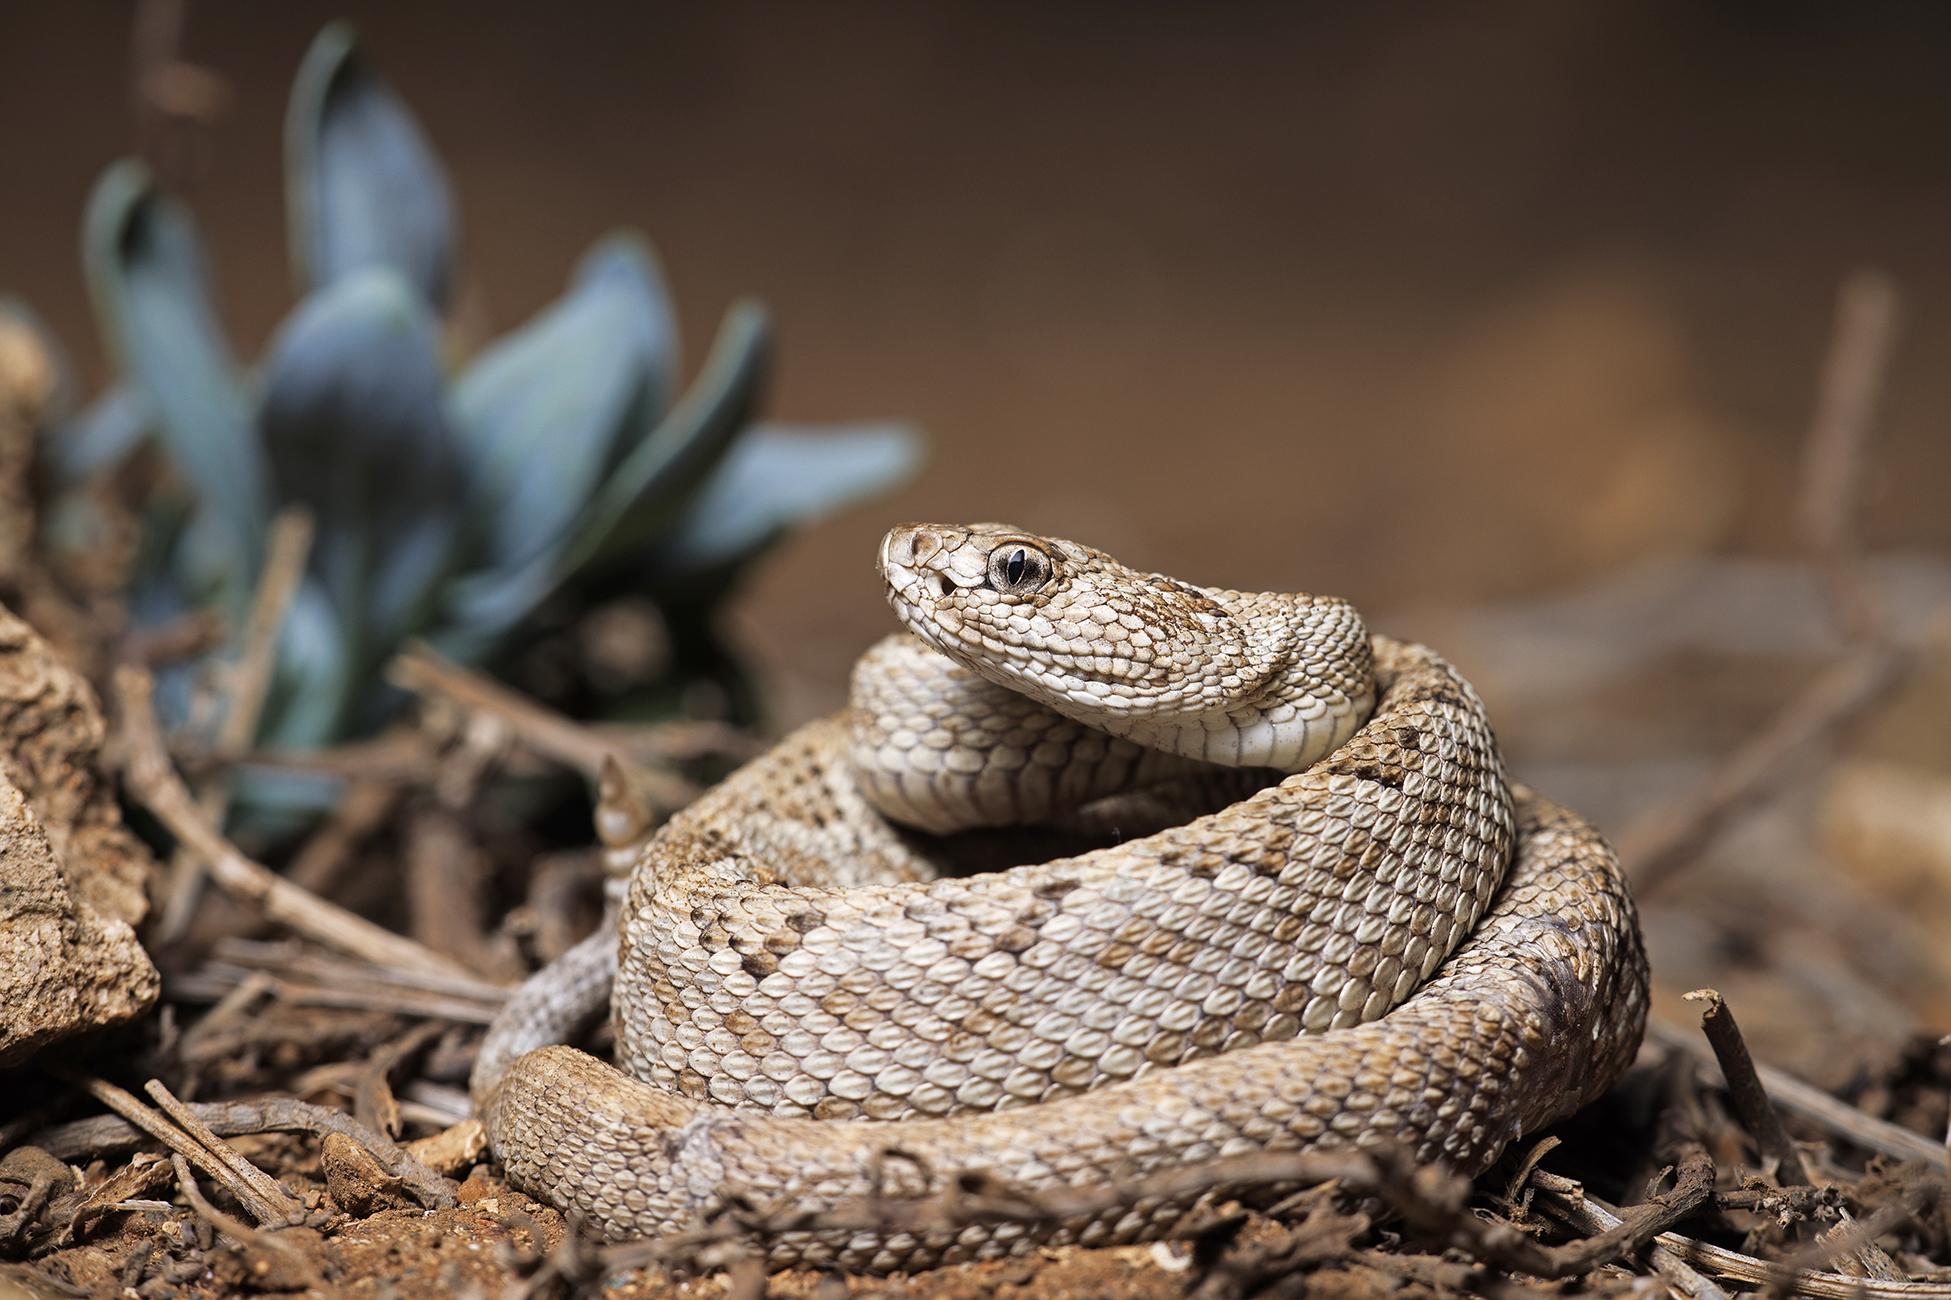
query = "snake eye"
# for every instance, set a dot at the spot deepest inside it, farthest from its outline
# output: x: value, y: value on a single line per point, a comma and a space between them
x: 1018, y: 570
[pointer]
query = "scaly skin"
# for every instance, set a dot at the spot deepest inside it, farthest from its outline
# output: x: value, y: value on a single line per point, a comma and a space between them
x: 1217, y: 987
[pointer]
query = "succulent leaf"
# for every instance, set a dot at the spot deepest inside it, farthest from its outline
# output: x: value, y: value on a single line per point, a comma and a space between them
x: 147, y: 275
x: 557, y: 471
x: 643, y: 496
x: 778, y: 476
x: 101, y: 434
x: 362, y: 185
x: 311, y: 693
x: 356, y: 427
x: 545, y: 413
x: 650, y: 490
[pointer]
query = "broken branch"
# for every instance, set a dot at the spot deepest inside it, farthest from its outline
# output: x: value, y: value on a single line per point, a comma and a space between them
x: 151, y: 779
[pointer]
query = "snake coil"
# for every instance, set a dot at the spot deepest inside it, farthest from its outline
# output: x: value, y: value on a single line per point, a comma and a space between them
x: 1322, y: 917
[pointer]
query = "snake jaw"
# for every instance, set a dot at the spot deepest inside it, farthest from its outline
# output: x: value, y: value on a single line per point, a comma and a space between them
x: 905, y: 551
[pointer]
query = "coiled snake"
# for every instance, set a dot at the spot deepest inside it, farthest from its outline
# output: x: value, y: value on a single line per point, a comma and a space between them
x: 1387, y: 944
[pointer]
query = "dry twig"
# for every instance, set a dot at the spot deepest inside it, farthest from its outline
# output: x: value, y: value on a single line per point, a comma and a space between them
x: 446, y: 878
x: 151, y: 780
x: 187, y: 636
x: 364, y: 809
x: 297, y: 964
x: 300, y: 1268
x: 1814, y: 717
x: 420, y: 668
x: 373, y: 1101
x: 402, y: 756
x: 263, y: 1206
x: 1825, y: 1286
x: 1868, y: 315
x: 1815, y: 1105
x: 108, y: 1135
x: 284, y: 565
x: 266, y: 1186
x: 1676, y: 1257
x: 214, y: 981
x: 1744, y: 1085
x: 1837, y: 444
x: 1567, y: 1198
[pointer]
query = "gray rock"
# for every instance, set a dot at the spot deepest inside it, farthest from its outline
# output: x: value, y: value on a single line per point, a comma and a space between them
x: 51, y: 735
x: 64, y: 968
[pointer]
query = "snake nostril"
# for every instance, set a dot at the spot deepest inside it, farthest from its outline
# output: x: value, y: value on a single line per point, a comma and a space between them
x: 947, y: 584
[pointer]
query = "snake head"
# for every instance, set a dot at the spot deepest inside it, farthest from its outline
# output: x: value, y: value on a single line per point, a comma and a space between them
x: 1069, y: 625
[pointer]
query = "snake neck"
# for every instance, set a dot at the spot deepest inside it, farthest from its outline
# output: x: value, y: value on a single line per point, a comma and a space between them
x: 936, y: 747
x: 1241, y: 679
x: 1294, y: 682
x: 1317, y: 689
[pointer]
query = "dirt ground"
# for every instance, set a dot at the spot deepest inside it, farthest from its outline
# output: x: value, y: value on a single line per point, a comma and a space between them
x: 1505, y: 321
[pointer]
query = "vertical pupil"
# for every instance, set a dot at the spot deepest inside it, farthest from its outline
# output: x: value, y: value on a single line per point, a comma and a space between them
x: 1014, y: 569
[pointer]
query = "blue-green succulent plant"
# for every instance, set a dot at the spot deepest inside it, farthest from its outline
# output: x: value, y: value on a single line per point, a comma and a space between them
x: 470, y: 506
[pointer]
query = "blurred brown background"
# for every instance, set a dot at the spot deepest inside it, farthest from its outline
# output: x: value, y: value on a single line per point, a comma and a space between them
x: 1424, y: 301
x: 1427, y: 305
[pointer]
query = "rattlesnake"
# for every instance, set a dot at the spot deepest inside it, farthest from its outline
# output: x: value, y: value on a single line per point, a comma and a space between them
x: 789, y: 958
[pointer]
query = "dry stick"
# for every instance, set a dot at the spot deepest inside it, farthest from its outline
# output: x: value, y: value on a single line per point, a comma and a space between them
x: 105, y: 1135
x: 440, y: 1118
x: 230, y: 1007
x: 400, y: 754
x: 1750, y: 1098
x: 363, y: 810
x: 1870, y: 1259
x: 1746, y: 1268
x: 151, y: 780
x: 284, y: 565
x: 125, y: 1105
x: 1835, y: 450
x: 1693, y: 1188
x: 422, y: 669
x: 446, y: 876
x: 312, y: 978
x: 297, y: 963
x: 1868, y: 314
x: 1569, y: 1197
x: 1826, y: 1286
x: 184, y: 637
x: 1815, y: 1105
x: 242, y: 1234
x: 678, y: 739
x: 1443, y: 1276
x: 211, y: 985
x: 265, y: 1185
x: 1859, y: 1238
x: 373, y: 1103
x: 1840, y: 695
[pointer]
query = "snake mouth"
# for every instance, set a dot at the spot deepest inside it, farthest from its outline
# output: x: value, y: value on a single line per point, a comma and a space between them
x: 905, y: 553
